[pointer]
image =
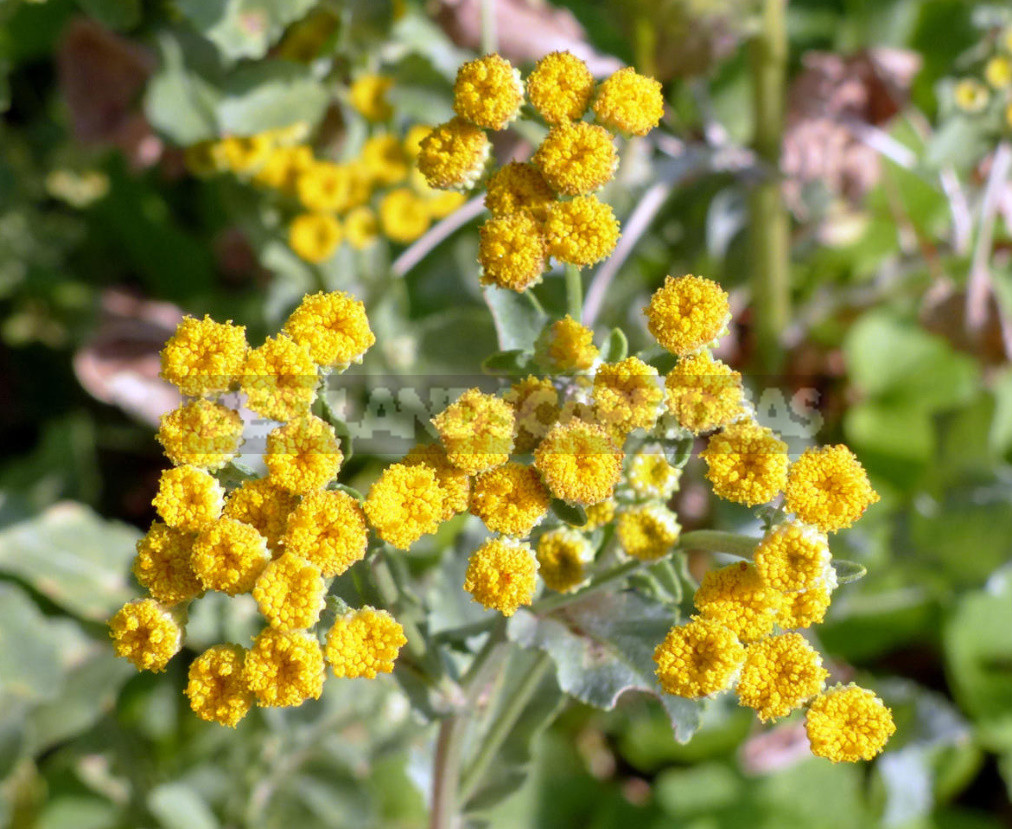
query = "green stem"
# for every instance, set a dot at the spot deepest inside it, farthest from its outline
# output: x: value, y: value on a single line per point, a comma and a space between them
x: 716, y: 541
x: 489, y: 36
x: 574, y: 292
x: 769, y: 222
x: 385, y: 583
x: 617, y: 572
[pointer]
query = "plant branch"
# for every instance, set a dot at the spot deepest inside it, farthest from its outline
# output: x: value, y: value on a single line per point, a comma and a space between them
x: 437, y: 234
x: 574, y: 292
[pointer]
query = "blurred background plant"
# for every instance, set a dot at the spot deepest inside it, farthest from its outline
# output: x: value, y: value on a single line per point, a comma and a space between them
x: 896, y: 291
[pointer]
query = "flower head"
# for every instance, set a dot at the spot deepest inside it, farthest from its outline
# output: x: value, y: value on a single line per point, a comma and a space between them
x: 629, y: 102
x: 361, y: 227
x: 847, y: 724
x: 163, y: 566
x: 229, y: 556
x: 501, y: 575
x: 280, y: 379
x: 204, y: 357
x: 188, y: 498
x: 262, y: 505
x: 333, y: 326
x: 404, y: 215
x: 510, y: 499
x: 828, y: 488
x: 651, y: 476
x: 303, y: 455
x: 368, y: 95
x: 476, y: 431
x: 971, y: 96
x: 216, y: 687
x: 627, y: 395
x: 687, y: 313
x: 647, y: 532
x: 512, y: 252
x: 565, y: 345
x: 453, y: 155
x: 780, y: 673
x: 698, y: 659
x: 363, y: 643
x: 200, y: 433
x: 290, y: 592
x: 488, y: 92
x: 326, y: 187
x: 384, y: 160
x: 535, y: 401
x: 314, y: 236
x: 243, y: 154
x: 518, y: 187
x: 577, y: 158
x: 599, y: 514
x: 703, y: 393
x: 328, y: 530
x: 998, y: 72
x: 746, y: 463
x: 455, y: 483
x: 284, y: 667
x: 579, y: 462
x: 582, y: 231
x: 806, y: 608
x: 792, y: 557
x: 146, y: 633
x: 560, y: 87
x: 283, y: 167
x: 405, y: 503
x: 562, y: 556
x: 736, y: 596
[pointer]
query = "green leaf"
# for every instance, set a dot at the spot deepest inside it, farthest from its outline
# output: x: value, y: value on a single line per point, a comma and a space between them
x: 270, y: 95
x: 511, y: 363
x: 348, y: 490
x: 960, y: 142
x: 178, y: 806
x: 603, y: 647
x: 243, y: 28
x: 115, y: 14
x: 30, y: 666
x: 848, y: 571
x: 518, y: 318
x: 178, y: 102
x: 572, y: 514
x: 616, y: 347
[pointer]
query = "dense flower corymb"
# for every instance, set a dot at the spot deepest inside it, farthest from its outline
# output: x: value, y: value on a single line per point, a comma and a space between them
x: 216, y: 687
x: 629, y: 102
x: 512, y: 252
x: 163, y: 566
x: 518, y: 187
x: 146, y: 633
x: 746, y: 463
x: 280, y: 379
x: 536, y: 403
x: 453, y: 155
x: 201, y: 433
x: 780, y: 673
x: 566, y: 346
x: 651, y: 476
x: 847, y: 724
x: 455, y: 483
x: 577, y: 158
x: 333, y: 326
x: 736, y: 597
x: 698, y: 659
x: 328, y: 530
x: 806, y: 608
x: 792, y: 557
x: 582, y: 231
x: 290, y: 593
x: 284, y: 667
x: 647, y: 532
x: 560, y: 87
x: 627, y: 395
x: 579, y: 463
x: 303, y: 455
x: 562, y: 555
x: 364, y: 643
x: 687, y: 313
x: 188, y: 498
x: 476, y: 431
x: 704, y: 393
x: 204, y: 357
x: 501, y: 575
x: 263, y: 506
x: 405, y: 503
x: 828, y: 488
x: 510, y: 499
x: 488, y: 92
x: 229, y: 556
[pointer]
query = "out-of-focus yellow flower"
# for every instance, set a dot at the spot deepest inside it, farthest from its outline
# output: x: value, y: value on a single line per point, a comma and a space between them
x: 629, y: 102
x: 263, y: 506
x: 746, y: 463
x: 368, y: 95
x: 314, y: 236
x: 577, y: 158
x: 828, y: 488
x: 405, y: 503
x: 216, y: 687
x: 476, y: 431
x: 566, y: 346
x: 627, y: 395
x: 562, y: 556
x: 488, y: 92
x: 204, y: 357
x: 290, y: 592
x: 413, y: 139
x: 736, y: 597
x: 404, y: 215
x: 283, y: 167
x: 971, y: 95
x: 687, y: 314
x: 200, y: 433
x: 998, y: 72
x: 384, y: 160
x: 581, y: 231
x: 535, y: 401
x: 326, y: 187
x: 361, y: 227
x: 780, y: 674
x: 163, y: 566
x: 518, y: 187
x: 333, y: 326
x: 363, y: 643
x: 510, y: 499
x: 284, y: 667
x: 848, y: 724
x: 560, y: 87
x: 188, y: 498
x: 647, y: 532
x: 303, y: 455
x: 579, y: 462
x: 246, y: 154
x: 455, y: 483
x: 453, y: 155
x: 512, y: 252
x: 280, y: 379
x: 328, y: 530
x: 651, y: 476
x: 501, y: 575
x: 146, y: 633
x: 698, y: 659
x: 205, y: 158
x: 703, y: 393
x: 229, y: 556
x: 792, y: 557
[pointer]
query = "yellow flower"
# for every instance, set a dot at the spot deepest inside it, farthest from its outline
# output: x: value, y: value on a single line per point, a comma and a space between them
x: 651, y: 476
x: 303, y: 455
x: 501, y: 575
x: 290, y: 593
x: 847, y: 724
x: 204, y: 357
x: 581, y: 231
x: 476, y: 431
x: 562, y: 555
x: 687, y: 314
x: 829, y: 488
x: 280, y: 379
x: 746, y: 463
x: 536, y: 404
x: 284, y: 667
x: 328, y: 530
x: 368, y: 95
x: 188, y: 498
x: 263, y: 506
x: 780, y: 674
x: 698, y: 659
x: 413, y: 139
x: 566, y: 346
x: 333, y: 326
x: 283, y: 167
x: 971, y: 95
x: 229, y: 556
x: 364, y: 643
x: 512, y: 252
x: 163, y: 566
x: 384, y: 160
x: 518, y: 187
x: 704, y: 393
x: 361, y: 227
x: 488, y: 92
x: 998, y: 72
x: 439, y: 203
x: 510, y: 499
x: 804, y: 609
x: 599, y: 514
x: 453, y: 155
x: 201, y: 433
x: 736, y: 597
x: 577, y: 158
x: 647, y: 532
x: 579, y: 462
x: 455, y: 483
x: 792, y: 557
x: 326, y: 187
x: 314, y: 236
x: 244, y: 154
x: 146, y: 633
x: 560, y: 87
x: 405, y: 503
x: 629, y: 102
x: 403, y: 215
x: 627, y: 395
x: 216, y: 687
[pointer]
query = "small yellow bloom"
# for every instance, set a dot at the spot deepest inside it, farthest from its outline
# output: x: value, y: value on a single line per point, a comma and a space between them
x: 216, y: 687
x: 651, y: 476
x: 405, y: 503
x: 290, y: 592
x: 476, y: 431
x: 779, y: 675
x: 562, y: 556
x: 364, y: 643
x: 647, y: 532
x: 971, y: 96
x: 326, y: 187
x: 828, y: 488
x: 416, y: 134
x: 627, y: 395
x: 629, y: 102
x: 736, y: 596
x: 246, y: 154
x: 303, y: 455
x: 510, y: 499
x: 229, y: 556
x: 263, y: 506
x: 146, y: 633
x: 368, y: 95
x: 560, y: 87
x: 687, y: 314
x: 535, y: 401
x: 518, y: 187
x: 188, y: 498
x: 163, y: 566
x: 847, y: 724
x: 488, y: 92
x: 566, y: 346
x: 283, y: 167
x: 698, y: 659
x: 204, y: 357
x: 328, y: 530
x: 284, y: 667
x: 280, y: 379
x: 703, y: 393
x: 793, y: 557
x: 577, y: 158
x: 582, y: 231
x: 998, y: 72
x: 501, y: 575
x: 333, y: 326
x: 512, y: 252
x: 579, y: 462
x: 455, y: 483
x: 599, y: 514
x: 746, y: 463
x: 807, y: 608
x: 201, y: 433
x: 404, y: 215
x: 361, y: 227
x: 453, y: 155
x: 384, y: 160
x: 314, y: 236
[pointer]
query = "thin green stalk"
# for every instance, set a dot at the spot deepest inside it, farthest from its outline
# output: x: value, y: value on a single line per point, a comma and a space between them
x: 574, y: 292
x: 600, y: 581
x: 717, y: 541
x: 489, y: 36
x: 385, y: 583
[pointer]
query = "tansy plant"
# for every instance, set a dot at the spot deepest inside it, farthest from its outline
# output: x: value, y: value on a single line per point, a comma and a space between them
x: 571, y: 466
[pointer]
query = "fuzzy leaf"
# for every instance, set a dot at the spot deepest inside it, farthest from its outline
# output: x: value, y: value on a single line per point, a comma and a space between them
x: 518, y: 318
x: 616, y: 347
x: 243, y: 28
x: 270, y: 95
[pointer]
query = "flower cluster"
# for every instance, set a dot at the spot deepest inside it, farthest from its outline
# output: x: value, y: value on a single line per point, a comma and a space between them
x: 986, y: 92
x: 280, y: 538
